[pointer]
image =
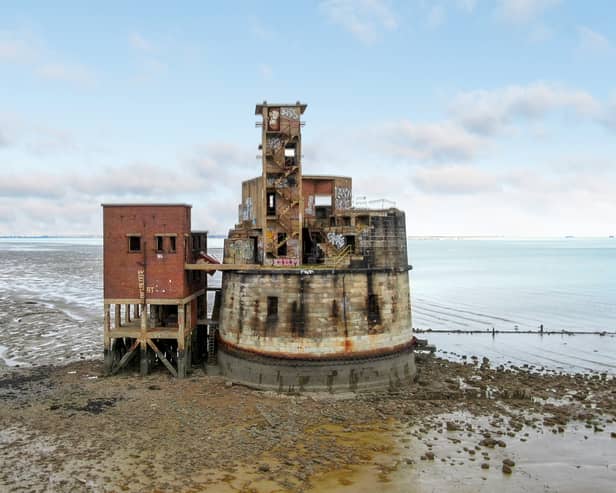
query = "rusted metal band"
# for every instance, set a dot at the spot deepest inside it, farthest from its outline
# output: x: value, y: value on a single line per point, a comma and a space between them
x: 271, y: 357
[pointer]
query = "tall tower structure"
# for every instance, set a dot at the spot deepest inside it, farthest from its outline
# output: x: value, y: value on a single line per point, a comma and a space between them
x: 282, y: 205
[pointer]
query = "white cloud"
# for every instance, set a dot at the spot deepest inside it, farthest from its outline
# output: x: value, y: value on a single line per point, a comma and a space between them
x: 455, y: 180
x: 436, y: 17
x: 524, y: 10
x: 24, y: 48
x: 488, y: 112
x: 467, y: 5
x: 590, y: 41
x: 266, y: 71
x: 73, y: 73
x: 364, y: 19
x: 429, y: 141
x: 139, y: 42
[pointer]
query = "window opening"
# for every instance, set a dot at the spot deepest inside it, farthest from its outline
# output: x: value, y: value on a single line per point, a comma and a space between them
x: 271, y: 203
x: 134, y: 243
x: 272, y: 307
x: 159, y: 243
x: 282, y: 242
x: 172, y: 244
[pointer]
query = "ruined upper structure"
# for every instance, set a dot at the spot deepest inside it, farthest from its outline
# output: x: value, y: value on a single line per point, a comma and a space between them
x: 315, y: 292
x: 290, y: 219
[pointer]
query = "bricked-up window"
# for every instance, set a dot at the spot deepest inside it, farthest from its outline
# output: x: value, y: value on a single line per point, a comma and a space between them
x: 134, y: 243
x: 373, y: 309
x: 272, y: 307
x: 159, y: 243
x: 172, y: 244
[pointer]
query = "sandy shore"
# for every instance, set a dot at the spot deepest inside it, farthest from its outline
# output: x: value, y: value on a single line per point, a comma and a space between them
x: 66, y: 428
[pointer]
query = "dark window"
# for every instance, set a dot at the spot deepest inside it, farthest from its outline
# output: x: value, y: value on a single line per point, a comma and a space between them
x: 272, y: 307
x: 159, y: 243
x: 282, y: 244
x: 322, y: 212
x: 271, y: 203
x: 134, y: 243
x: 373, y: 309
x: 172, y: 243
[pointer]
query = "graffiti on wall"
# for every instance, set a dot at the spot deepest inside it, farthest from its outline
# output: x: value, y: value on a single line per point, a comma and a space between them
x: 242, y: 251
x: 274, y: 142
x: 286, y: 262
x: 309, y: 211
x: 343, y: 198
x: 245, y: 210
x: 336, y: 240
x: 273, y: 119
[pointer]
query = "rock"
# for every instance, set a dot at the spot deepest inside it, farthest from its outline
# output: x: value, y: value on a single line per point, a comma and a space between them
x: 228, y: 383
x: 264, y: 467
x: 508, y: 462
x: 507, y: 469
x: 429, y: 455
x: 485, y: 465
x: 451, y: 426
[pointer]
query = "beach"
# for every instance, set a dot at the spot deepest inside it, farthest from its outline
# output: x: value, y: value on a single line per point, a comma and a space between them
x: 66, y: 428
x: 544, y: 403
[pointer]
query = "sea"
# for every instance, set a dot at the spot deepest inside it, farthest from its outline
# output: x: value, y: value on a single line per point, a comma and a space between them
x: 471, y: 298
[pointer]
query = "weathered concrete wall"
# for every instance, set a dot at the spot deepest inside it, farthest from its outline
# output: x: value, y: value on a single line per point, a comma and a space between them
x: 383, y: 244
x: 386, y: 372
x: 318, y: 313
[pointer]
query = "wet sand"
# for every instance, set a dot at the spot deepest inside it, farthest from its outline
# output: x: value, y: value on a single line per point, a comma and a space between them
x: 66, y: 428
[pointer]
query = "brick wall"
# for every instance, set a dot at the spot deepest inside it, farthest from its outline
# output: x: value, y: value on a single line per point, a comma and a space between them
x: 165, y: 277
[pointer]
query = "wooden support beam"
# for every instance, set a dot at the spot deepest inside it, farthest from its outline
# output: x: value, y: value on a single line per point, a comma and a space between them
x: 181, y: 342
x: 143, y: 363
x: 126, y: 358
x: 127, y: 314
x: 162, y: 358
x: 118, y: 316
x: 107, y: 354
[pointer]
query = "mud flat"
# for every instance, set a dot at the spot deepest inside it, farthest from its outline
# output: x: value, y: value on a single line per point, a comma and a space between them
x: 461, y: 427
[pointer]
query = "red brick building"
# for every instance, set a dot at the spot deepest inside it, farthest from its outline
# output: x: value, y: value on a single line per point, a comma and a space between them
x: 157, y: 303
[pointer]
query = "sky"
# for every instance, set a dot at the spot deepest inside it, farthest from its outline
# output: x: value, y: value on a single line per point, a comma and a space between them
x: 476, y: 117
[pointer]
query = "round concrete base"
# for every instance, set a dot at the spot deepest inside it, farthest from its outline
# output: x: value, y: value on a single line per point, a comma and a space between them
x: 290, y: 376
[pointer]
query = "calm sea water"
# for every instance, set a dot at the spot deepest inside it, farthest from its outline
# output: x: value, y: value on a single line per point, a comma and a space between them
x: 564, y: 284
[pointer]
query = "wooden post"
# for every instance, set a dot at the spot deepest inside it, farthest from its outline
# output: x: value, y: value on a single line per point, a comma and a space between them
x: 118, y: 316
x: 143, y: 367
x: 127, y: 314
x: 181, y: 342
x: 136, y: 311
x: 107, y: 354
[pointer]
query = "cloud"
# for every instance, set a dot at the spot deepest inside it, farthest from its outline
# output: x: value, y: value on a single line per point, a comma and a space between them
x: 429, y: 141
x: 364, y: 19
x: 455, y: 180
x: 4, y: 141
x: 488, y: 112
x: 73, y: 73
x: 24, y: 48
x: 266, y: 71
x: 520, y: 11
x: 140, y: 43
x: 436, y: 17
x: 590, y: 41
x: 33, y: 137
x: 467, y: 5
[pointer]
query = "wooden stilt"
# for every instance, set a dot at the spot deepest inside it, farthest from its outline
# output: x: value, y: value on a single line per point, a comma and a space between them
x: 181, y: 342
x: 127, y: 314
x: 126, y: 358
x: 144, y: 364
x: 162, y: 358
x: 118, y: 316
x: 107, y: 354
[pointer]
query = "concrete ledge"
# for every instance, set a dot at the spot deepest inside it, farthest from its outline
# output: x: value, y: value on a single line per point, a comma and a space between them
x: 383, y: 372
